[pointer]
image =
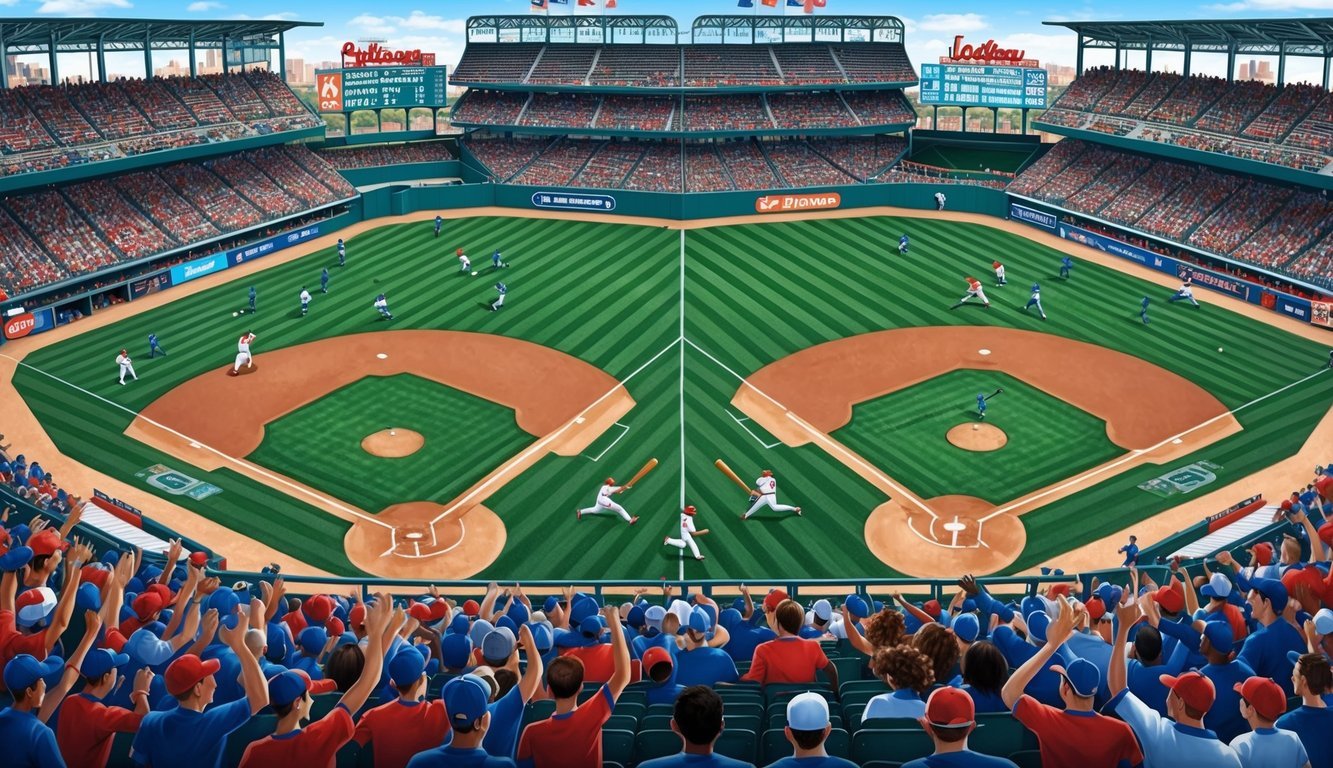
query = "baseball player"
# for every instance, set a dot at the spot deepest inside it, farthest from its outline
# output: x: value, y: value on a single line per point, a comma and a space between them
x: 342, y: 253
x: 605, y: 503
x: 903, y: 244
x: 981, y: 405
x: 1143, y: 310
x: 439, y: 222
x: 1330, y: 358
x: 324, y: 280
x: 939, y: 201
x: 382, y: 305
x: 1035, y: 300
x: 464, y: 263
x: 123, y: 360
x: 687, y: 534
x: 154, y: 348
x: 254, y: 299
x: 305, y: 301
x: 243, y: 353
x: 1066, y: 265
x: 999, y: 273
x: 501, y: 289
x: 765, y: 493
x: 496, y: 261
x: 973, y: 289
x: 1185, y: 293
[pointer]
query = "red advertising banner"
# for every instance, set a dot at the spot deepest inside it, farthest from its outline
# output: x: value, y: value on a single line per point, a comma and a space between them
x: 375, y: 54
x: 329, y: 91
x: 988, y: 52
x: 1321, y: 313
x: 18, y: 326
x: 813, y: 201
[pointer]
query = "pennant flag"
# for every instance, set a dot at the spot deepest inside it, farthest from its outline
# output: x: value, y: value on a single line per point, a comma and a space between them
x: 795, y: 3
x: 745, y: 4
x: 538, y: 6
x: 587, y: 3
x: 809, y: 6
x: 770, y: 3
x: 610, y: 4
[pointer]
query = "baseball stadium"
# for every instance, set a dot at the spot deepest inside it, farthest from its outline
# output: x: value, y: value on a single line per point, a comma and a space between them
x: 306, y: 367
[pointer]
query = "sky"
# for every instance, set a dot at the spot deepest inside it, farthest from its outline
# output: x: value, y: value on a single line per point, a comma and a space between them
x: 931, y: 26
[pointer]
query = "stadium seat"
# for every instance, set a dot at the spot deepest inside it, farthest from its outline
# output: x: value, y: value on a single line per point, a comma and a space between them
x: 617, y: 745
x: 1000, y: 733
x: 621, y: 723
x: 254, y: 729
x: 898, y: 745
x: 349, y: 756
x: 632, y: 709
x: 852, y: 686
x: 655, y: 723
x: 1028, y: 758
x: 538, y: 710
x: 653, y: 744
x: 888, y: 724
x: 323, y: 704
x: 784, y: 691
x: 738, y: 743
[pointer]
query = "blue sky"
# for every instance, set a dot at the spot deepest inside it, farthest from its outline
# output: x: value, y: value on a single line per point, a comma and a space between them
x: 931, y: 26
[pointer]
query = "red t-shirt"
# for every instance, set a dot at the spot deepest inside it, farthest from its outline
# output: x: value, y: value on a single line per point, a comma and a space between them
x: 786, y: 660
x: 87, y: 728
x: 599, y: 662
x: 315, y: 745
x: 13, y: 642
x: 401, y: 729
x: 1068, y: 739
x: 572, y: 740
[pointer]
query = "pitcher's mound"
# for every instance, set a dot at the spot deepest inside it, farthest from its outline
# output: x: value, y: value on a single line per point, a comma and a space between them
x: 978, y: 437
x: 393, y: 443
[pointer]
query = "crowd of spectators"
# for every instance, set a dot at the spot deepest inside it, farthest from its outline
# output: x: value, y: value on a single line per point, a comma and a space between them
x: 610, y: 165
x: 653, y: 66
x: 1316, y: 130
x: 861, y: 156
x: 1118, y: 97
x: 715, y: 66
x: 62, y: 231
x: 1316, y: 264
x: 803, y: 167
x: 563, y: 110
x: 119, y: 222
x: 495, y: 62
x: 238, y: 96
x: 1036, y: 175
x: 1233, y: 222
x: 1122, y: 174
x: 810, y: 110
x: 748, y: 166
x: 659, y: 169
x: 149, y: 192
x: 880, y: 107
x: 506, y: 157
x: 1242, y: 102
x: 638, y: 113
x: 254, y: 185
x: 558, y: 164
x: 1162, y: 182
x: 490, y: 107
x: 874, y: 62
x: 1303, y: 218
x: 741, y: 112
x: 1191, y: 96
x: 279, y: 99
x: 704, y: 171
x: 154, y: 100
x: 1152, y: 94
x: 908, y: 172
x: 378, y: 155
x: 111, y: 112
x: 25, y: 265
x: 563, y: 64
x: 807, y: 64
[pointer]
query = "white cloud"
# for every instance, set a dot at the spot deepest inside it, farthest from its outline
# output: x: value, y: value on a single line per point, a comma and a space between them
x: 280, y: 16
x: 80, y: 7
x: 1273, y: 5
x: 420, y: 20
x: 202, y: 6
x: 375, y: 26
x: 9, y: 2
x: 953, y: 22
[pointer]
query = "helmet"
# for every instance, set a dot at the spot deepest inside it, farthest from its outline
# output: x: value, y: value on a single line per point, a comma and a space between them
x: 767, y: 473
x: 689, y: 511
x: 995, y: 264
x: 610, y: 481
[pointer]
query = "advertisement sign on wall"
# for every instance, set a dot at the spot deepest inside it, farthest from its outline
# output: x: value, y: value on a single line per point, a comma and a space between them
x: 265, y: 247
x: 152, y: 284
x: 46, y: 320
x: 20, y: 325
x: 1321, y: 313
x: 183, y: 273
x: 807, y: 202
x: 1042, y: 219
x: 580, y: 202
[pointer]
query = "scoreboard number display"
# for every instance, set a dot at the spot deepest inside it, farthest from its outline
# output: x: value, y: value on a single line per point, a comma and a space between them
x: 983, y: 86
x: 345, y: 90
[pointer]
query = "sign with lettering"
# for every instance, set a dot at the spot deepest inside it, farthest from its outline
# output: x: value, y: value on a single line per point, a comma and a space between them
x: 988, y: 52
x: 20, y: 325
x: 574, y: 201
x: 377, y: 55
x: 183, y: 273
x: 813, y: 201
x: 345, y: 90
x: 983, y: 86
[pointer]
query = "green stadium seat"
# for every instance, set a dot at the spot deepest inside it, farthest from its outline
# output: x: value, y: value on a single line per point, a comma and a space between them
x: 852, y: 716
x: 617, y: 745
x: 889, y: 724
x: 120, y: 752
x: 855, y: 686
x: 635, y: 696
x: 999, y: 734
x: 349, y: 755
x: 622, y: 723
x: 632, y: 709
x: 254, y: 729
x: 659, y: 709
x: 743, y: 666
x: 655, y: 723
x: 657, y: 743
x: 776, y: 746
x: 898, y: 745
x: 784, y: 691
x: 853, y: 698
x: 323, y: 704
x: 738, y: 743
x: 366, y: 757
x: 848, y: 669
x: 538, y: 710
x: 743, y: 722
x: 1028, y: 758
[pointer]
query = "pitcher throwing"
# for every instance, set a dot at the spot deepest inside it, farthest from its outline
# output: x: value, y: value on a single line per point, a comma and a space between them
x: 243, y: 353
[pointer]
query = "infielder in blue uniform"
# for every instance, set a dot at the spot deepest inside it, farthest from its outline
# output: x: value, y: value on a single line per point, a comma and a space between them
x: 1035, y: 301
x: 324, y: 281
x: 382, y: 306
x: 1066, y: 265
x: 496, y: 261
x: 903, y: 245
x: 501, y: 289
x: 342, y: 253
x: 254, y: 299
x: 981, y: 405
x: 153, y: 347
x: 439, y: 222
x: 1143, y: 310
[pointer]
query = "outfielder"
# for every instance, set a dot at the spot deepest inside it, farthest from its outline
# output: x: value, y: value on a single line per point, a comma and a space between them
x: 243, y: 353
x: 765, y: 493
x: 154, y: 348
x: 605, y: 503
x: 496, y: 261
x: 324, y: 281
x: 382, y: 306
x: 254, y: 299
x: 1066, y: 264
x: 973, y: 289
x: 1185, y: 293
x: 123, y: 360
x: 999, y: 273
x: 981, y: 405
x: 939, y: 201
x: 342, y: 253
x: 439, y: 222
x: 1143, y: 310
x: 903, y: 244
x: 305, y: 301
x: 1035, y: 301
x: 687, y: 534
x: 501, y: 289
x: 464, y: 263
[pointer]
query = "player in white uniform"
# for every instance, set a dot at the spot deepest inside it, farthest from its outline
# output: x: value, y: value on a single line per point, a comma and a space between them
x: 973, y: 289
x: 765, y: 493
x: 305, y: 301
x: 123, y: 360
x: 999, y: 273
x: 1185, y: 293
x: 604, y: 503
x: 464, y: 263
x: 939, y: 201
x: 687, y: 534
x: 243, y: 353
x: 382, y: 306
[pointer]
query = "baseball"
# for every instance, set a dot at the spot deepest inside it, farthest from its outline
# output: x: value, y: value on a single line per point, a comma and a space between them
x: 235, y: 314
x: 474, y: 274
x: 1219, y: 349
x: 976, y: 426
x: 393, y: 432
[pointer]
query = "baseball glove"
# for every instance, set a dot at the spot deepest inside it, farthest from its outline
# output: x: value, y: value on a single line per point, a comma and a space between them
x: 753, y: 498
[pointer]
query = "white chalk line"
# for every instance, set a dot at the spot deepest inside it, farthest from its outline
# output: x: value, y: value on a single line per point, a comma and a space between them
x: 757, y: 439
x: 193, y: 443
x: 462, y: 536
x: 680, y: 558
x: 624, y: 431
x: 1132, y: 455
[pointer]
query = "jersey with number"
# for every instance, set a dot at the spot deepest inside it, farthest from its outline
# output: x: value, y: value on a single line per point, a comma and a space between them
x: 767, y: 485
x: 604, y: 494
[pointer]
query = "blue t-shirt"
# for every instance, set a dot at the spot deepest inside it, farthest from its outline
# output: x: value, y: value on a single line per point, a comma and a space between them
x: 458, y: 758
x: 1315, y: 727
x: 1146, y: 683
x: 903, y: 702
x: 642, y: 643
x: 713, y: 760
x: 1223, y: 718
x: 27, y: 741
x: 665, y: 693
x: 812, y: 762
x: 965, y: 759
x: 705, y: 666
x: 506, y: 721
x: 744, y: 639
x: 1265, y: 650
x: 183, y: 736
x: 985, y: 701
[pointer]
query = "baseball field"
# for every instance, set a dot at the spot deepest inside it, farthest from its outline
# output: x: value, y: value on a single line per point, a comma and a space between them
x: 809, y: 348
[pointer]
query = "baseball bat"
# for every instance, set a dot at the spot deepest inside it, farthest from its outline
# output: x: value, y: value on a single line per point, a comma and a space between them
x: 993, y: 394
x: 722, y: 465
x: 648, y: 467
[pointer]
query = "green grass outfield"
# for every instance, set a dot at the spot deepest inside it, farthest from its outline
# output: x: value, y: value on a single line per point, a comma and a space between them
x: 465, y: 438
x: 1048, y: 439
x: 611, y: 295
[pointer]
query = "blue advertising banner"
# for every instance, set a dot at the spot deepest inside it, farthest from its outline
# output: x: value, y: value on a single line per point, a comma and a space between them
x: 183, y: 273
x: 1046, y: 221
x: 574, y: 202
x: 1301, y: 309
x: 276, y: 243
x: 1202, y: 277
x: 45, y: 320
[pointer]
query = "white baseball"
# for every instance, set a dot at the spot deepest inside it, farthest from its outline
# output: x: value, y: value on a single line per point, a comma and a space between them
x: 235, y: 314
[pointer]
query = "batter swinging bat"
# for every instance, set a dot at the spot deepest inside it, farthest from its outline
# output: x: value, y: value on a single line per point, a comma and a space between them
x: 648, y: 467
x: 722, y: 465
x: 993, y: 394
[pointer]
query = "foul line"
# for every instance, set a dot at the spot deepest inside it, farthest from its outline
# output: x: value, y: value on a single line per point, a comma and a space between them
x: 830, y: 445
x: 1141, y: 451
x: 238, y: 462
x: 541, y: 444
x: 624, y: 431
x: 680, y: 559
x: 741, y: 424
x: 462, y: 536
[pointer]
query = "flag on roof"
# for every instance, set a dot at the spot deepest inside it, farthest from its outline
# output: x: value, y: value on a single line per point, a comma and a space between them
x: 610, y: 4
x: 770, y: 3
x: 587, y: 3
x: 745, y: 4
x: 559, y: 2
x: 538, y: 6
x: 809, y: 6
x: 795, y: 3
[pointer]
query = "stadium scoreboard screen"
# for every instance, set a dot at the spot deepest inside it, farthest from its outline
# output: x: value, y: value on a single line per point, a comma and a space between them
x: 344, y: 90
x: 968, y: 85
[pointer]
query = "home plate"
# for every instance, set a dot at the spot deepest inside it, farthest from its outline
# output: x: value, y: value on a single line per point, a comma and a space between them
x: 983, y: 351
x: 381, y: 356
x: 195, y: 445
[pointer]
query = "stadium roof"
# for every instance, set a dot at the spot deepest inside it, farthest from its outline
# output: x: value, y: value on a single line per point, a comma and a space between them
x: 591, y: 28
x: 1294, y: 37
x: 37, y: 35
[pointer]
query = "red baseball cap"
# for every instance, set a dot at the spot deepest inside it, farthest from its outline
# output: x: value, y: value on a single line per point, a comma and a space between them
x: 46, y: 542
x: 1264, y: 695
x: 146, y: 605
x: 91, y: 574
x: 1192, y: 688
x: 419, y: 611
x: 932, y: 607
x: 773, y: 599
x: 199, y: 558
x: 357, y: 616
x: 950, y: 708
x: 1096, y: 608
x: 334, y: 626
x: 1170, y: 598
x: 652, y: 658
x: 690, y: 511
x: 471, y: 608
x: 186, y: 671
x: 1326, y: 533
x: 1263, y: 553
x: 319, y: 608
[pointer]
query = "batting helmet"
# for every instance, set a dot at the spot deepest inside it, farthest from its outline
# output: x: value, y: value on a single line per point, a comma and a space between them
x: 689, y: 511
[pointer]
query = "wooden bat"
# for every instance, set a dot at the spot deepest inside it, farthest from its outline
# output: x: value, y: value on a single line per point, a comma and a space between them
x: 722, y: 465
x: 645, y: 470
x: 993, y: 394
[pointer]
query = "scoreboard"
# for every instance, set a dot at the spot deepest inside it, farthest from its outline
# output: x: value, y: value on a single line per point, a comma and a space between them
x: 983, y: 86
x: 345, y: 90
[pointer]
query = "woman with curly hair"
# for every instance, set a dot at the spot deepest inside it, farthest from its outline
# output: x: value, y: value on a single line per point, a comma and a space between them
x: 940, y: 647
x: 883, y: 630
x: 907, y: 671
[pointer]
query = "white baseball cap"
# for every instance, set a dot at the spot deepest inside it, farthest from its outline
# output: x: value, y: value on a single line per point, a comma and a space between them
x: 807, y: 712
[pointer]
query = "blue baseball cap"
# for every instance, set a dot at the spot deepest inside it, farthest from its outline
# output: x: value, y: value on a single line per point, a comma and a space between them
x: 479, y: 630
x: 518, y: 613
x: 856, y: 606
x: 698, y: 621
x: 1031, y: 605
x: 24, y: 670
x: 459, y: 625
x: 550, y: 603
x: 1273, y: 590
x: 1037, y: 622
x: 465, y: 699
x: 542, y: 635
x: 634, y: 617
x: 407, y: 666
x: 312, y: 640
x: 504, y: 622
x: 581, y: 607
x: 591, y: 627
x: 455, y: 651
x: 498, y: 644
x: 15, y: 558
x: 147, y: 648
x: 286, y: 687
x: 225, y: 600
x: 1219, y: 636
x: 99, y: 661
x: 1082, y: 675
x: 1218, y: 586
x: 88, y: 598
x: 967, y: 628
